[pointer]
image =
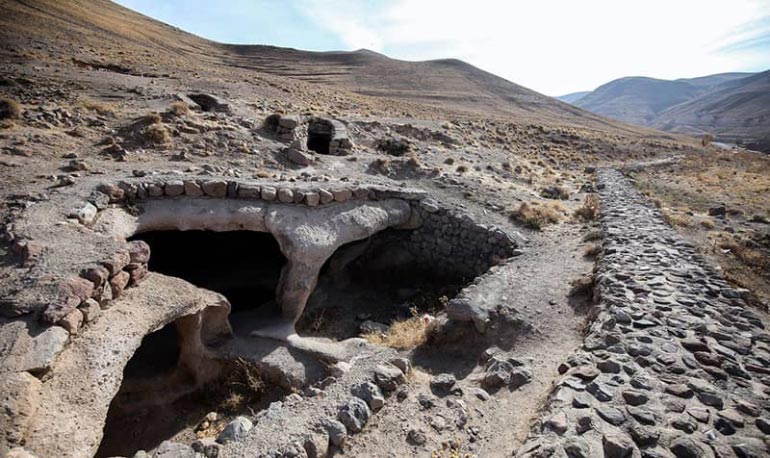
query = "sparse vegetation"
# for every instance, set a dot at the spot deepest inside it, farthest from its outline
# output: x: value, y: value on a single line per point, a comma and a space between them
x: 102, y: 108
x: 243, y: 386
x: 393, y: 146
x: 404, y: 334
x: 537, y: 215
x: 9, y: 109
x: 414, y: 161
x: 592, y: 250
x: 179, y: 109
x: 589, y: 211
x: 157, y: 134
x: 555, y: 192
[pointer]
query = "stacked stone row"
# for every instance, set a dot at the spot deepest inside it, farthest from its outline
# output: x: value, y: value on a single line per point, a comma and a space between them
x: 455, y: 241
x: 272, y: 192
x: 352, y: 415
x: 81, y: 299
x: 675, y: 364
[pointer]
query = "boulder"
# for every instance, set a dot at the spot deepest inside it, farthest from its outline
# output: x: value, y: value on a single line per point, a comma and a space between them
x: 354, y: 414
x: 235, y: 430
x: 299, y: 157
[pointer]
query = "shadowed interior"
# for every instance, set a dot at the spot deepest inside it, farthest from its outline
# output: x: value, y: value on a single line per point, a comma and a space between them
x: 244, y: 266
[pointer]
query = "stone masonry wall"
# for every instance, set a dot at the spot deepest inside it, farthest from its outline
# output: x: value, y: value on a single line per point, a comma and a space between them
x: 675, y: 364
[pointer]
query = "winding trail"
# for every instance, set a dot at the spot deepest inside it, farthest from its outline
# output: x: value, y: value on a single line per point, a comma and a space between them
x: 675, y: 363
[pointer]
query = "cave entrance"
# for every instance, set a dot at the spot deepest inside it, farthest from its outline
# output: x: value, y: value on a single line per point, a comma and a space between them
x: 319, y: 136
x: 244, y: 266
x: 369, y: 285
x: 168, y: 385
x: 319, y: 142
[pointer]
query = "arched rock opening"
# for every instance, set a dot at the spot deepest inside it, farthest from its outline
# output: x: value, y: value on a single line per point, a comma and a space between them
x: 244, y: 266
x: 377, y: 281
x: 161, y: 391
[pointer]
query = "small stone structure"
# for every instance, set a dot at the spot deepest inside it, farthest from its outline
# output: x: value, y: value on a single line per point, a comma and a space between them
x: 316, y: 133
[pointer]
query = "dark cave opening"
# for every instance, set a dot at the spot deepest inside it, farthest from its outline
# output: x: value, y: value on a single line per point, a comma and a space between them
x: 379, y: 280
x: 244, y: 266
x: 160, y: 396
x: 319, y: 142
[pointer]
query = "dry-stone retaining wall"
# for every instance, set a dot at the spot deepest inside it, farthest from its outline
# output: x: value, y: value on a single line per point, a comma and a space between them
x: 451, y: 240
x: 673, y: 365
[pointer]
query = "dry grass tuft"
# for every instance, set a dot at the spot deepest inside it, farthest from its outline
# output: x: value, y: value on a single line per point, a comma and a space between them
x: 675, y: 219
x: 414, y: 161
x: 243, y: 386
x: 592, y: 250
x: 153, y: 118
x: 102, y: 108
x: 537, y: 215
x: 589, y: 211
x: 382, y: 164
x: 462, y: 169
x: 179, y: 109
x: 9, y: 109
x: 157, y: 134
x: 405, y: 334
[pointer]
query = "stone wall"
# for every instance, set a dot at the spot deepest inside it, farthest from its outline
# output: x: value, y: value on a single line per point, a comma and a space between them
x: 295, y: 127
x: 450, y: 239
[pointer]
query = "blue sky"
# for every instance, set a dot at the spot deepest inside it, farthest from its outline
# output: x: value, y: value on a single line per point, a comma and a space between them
x: 552, y: 46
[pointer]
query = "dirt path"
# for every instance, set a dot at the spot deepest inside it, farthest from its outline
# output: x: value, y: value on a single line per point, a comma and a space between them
x: 544, y: 327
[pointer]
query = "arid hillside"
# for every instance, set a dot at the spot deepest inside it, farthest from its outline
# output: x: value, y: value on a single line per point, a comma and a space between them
x: 104, y: 35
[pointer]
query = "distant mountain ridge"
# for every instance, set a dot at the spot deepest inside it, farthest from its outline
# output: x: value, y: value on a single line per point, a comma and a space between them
x: 733, y: 106
x: 573, y: 97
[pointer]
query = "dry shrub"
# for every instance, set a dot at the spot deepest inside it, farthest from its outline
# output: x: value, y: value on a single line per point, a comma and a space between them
x: 9, y: 109
x: 153, y: 118
x: 462, y: 169
x: 537, y: 215
x: 676, y: 220
x: 414, y: 161
x: 749, y: 256
x: 592, y: 236
x: 589, y: 211
x: 158, y: 134
x: 706, y: 139
x: 102, y: 108
x: 382, y: 164
x: 243, y: 386
x: 404, y: 334
x: 449, y: 161
x: 707, y: 224
x: 393, y: 146
x: 179, y: 109
x: 592, y: 250
x: 555, y: 192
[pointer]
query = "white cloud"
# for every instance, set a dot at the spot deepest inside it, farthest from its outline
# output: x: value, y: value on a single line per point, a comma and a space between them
x: 553, y: 46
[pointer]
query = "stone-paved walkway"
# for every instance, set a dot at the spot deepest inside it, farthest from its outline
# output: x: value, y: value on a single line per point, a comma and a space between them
x: 673, y: 365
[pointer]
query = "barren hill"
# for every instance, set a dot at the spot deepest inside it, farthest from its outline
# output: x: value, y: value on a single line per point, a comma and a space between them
x: 637, y: 99
x: 105, y: 35
x: 732, y: 106
x: 737, y: 111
